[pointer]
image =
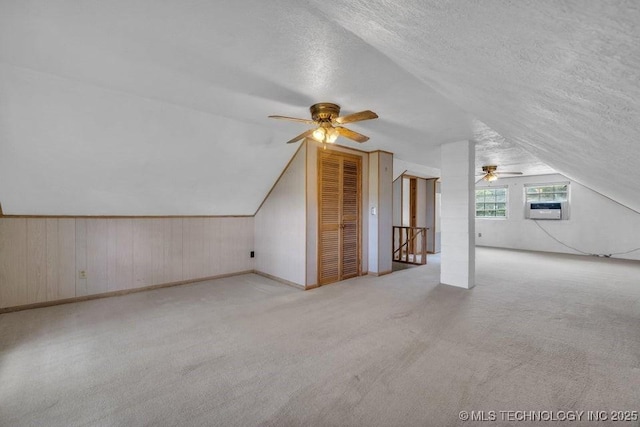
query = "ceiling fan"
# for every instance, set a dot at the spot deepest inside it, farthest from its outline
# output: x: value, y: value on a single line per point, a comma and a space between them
x: 490, y: 174
x: 325, y: 117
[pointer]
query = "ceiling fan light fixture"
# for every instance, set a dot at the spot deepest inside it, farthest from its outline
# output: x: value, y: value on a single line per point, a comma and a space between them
x: 325, y: 116
x: 332, y: 134
x: 490, y: 177
x: 319, y: 134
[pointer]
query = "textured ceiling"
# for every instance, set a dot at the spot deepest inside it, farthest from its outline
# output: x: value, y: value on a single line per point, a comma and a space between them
x: 159, y: 108
x: 494, y: 149
x: 559, y: 79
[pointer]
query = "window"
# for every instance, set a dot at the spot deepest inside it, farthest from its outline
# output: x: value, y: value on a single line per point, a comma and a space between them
x: 547, y: 192
x: 491, y: 202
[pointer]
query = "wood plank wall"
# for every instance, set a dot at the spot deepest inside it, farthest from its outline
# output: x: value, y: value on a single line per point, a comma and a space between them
x: 40, y: 258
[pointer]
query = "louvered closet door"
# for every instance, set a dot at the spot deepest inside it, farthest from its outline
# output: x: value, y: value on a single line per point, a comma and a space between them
x: 329, y: 219
x: 350, y: 211
x: 339, y: 217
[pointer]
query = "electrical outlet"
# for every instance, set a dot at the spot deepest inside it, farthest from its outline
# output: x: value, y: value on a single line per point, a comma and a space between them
x: 82, y: 274
x: 479, y: 234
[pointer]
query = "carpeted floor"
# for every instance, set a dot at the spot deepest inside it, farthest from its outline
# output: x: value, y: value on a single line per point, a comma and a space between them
x: 539, y: 332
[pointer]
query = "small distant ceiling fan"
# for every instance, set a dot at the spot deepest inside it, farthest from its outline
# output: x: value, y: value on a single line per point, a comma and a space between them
x: 325, y: 117
x: 490, y: 174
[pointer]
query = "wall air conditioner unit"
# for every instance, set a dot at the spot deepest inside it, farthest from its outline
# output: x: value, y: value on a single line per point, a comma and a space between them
x: 547, y: 210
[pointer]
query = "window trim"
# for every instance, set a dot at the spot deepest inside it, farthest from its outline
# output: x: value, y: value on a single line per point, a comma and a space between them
x: 546, y: 184
x: 506, y: 203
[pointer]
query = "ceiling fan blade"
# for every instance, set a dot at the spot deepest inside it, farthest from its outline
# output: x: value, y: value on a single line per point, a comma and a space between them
x: 303, y: 135
x: 480, y: 179
x: 293, y: 119
x: 508, y: 173
x: 348, y: 133
x: 356, y: 117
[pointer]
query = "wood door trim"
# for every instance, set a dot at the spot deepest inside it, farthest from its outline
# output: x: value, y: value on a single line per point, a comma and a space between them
x: 413, y: 211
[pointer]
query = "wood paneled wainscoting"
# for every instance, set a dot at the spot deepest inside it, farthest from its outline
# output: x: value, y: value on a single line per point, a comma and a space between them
x: 59, y: 258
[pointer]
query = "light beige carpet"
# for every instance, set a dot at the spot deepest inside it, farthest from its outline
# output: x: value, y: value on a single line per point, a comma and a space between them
x: 539, y: 332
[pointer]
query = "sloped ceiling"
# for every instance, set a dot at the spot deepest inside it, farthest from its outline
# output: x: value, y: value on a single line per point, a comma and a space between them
x: 558, y: 79
x: 494, y: 149
x: 159, y: 108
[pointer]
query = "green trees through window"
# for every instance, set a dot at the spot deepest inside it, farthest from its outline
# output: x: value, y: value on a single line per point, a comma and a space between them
x: 491, y: 202
x: 547, y: 193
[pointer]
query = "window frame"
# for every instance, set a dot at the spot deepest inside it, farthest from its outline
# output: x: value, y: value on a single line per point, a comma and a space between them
x: 506, y: 202
x: 525, y: 188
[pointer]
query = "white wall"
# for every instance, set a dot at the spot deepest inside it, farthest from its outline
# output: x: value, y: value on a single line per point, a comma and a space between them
x: 421, y: 209
x: 406, y: 202
x: 421, y: 202
x: 397, y: 201
x: 432, y: 215
x: 40, y: 258
x: 280, y: 225
x: 596, y: 224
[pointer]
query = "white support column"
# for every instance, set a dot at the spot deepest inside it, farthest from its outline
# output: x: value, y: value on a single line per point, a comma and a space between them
x: 385, y: 212
x: 458, y: 254
x: 374, y: 162
x: 380, y: 212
